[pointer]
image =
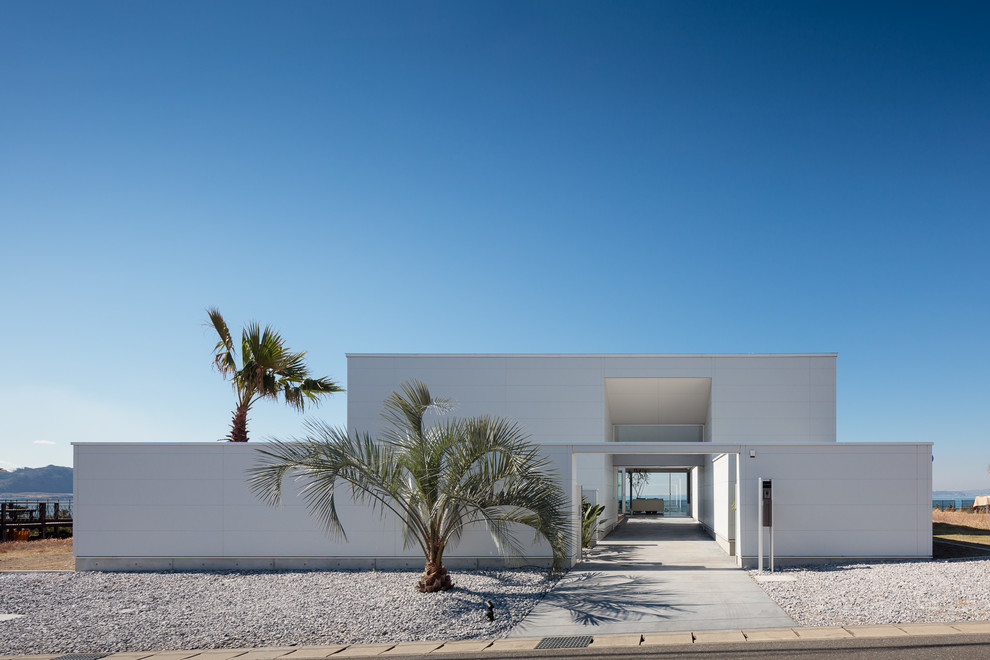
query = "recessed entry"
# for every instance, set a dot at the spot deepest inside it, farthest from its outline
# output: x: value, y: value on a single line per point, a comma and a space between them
x: 658, y: 400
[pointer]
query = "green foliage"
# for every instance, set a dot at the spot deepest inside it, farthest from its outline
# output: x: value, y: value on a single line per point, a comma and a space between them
x: 437, y: 478
x: 590, y: 521
x: 269, y: 369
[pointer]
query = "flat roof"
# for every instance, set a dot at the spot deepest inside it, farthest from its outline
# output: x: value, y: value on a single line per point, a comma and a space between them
x: 593, y: 355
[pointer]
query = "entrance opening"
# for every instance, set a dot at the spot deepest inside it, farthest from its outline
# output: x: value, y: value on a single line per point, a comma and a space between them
x: 659, y: 481
x: 654, y: 491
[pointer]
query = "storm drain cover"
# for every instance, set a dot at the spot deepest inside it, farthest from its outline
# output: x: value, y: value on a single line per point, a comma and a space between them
x: 577, y: 642
x: 82, y: 656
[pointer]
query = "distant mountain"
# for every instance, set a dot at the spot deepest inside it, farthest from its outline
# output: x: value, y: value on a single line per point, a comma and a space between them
x: 959, y: 494
x: 51, y: 479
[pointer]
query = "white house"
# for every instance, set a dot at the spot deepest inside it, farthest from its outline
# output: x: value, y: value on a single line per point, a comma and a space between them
x: 716, y: 423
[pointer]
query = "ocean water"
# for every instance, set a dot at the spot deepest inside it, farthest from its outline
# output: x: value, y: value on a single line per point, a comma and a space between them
x: 957, y: 503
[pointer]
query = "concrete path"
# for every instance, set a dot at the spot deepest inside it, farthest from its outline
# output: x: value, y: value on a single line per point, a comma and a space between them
x: 650, y: 575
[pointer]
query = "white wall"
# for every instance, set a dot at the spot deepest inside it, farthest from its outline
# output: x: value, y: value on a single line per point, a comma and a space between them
x: 695, y: 493
x: 841, y: 501
x: 709, y: 424
x: 706, y: 500
x: 561, y: 399
x: 164, y: 506
x: 760, y: 400
x: 610, y: 485
x: 556, y: 400
x: 723, y: 497
x: 610, y: 495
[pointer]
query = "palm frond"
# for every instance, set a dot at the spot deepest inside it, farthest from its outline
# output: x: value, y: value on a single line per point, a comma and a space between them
x: 496, y: 467
x: 438, y: 479
x: 321, y: 460
x: 405, y: 411
x: 308, y: 391
x: 314, y: 386
x: 223, y: 353
x: 291, y: 366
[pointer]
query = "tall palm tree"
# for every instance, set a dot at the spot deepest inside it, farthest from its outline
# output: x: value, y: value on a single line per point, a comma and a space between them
x: 268, y: 369
x: 438, y: 479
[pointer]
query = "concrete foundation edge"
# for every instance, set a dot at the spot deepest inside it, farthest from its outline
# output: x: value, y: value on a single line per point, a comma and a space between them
x: 136, y: 564
x: 750, y: 563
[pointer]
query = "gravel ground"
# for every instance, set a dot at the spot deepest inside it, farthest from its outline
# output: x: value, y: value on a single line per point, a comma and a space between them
x: 98, y: 612
x: 885, y: 592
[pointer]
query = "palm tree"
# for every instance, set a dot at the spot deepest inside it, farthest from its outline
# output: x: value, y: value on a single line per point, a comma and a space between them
x: 438, y: 479
x: 268, y: 369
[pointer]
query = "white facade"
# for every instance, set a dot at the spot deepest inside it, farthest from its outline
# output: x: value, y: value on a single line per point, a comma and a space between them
x: 832, y: 499
x: 724, y: 420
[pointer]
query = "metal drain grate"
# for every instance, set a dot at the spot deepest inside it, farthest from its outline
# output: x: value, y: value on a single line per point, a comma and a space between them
x: 578, y: 642
x: 82, y: 656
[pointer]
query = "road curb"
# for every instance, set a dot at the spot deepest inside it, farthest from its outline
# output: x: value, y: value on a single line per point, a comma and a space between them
x: 490, y: 647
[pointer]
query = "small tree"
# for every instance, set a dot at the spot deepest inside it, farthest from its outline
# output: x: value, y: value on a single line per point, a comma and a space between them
x: 639, y: 481
x: 268, y: 369
x: 438, y: 479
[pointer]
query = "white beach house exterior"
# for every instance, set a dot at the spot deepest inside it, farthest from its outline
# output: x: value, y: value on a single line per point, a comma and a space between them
x: 724, y: 421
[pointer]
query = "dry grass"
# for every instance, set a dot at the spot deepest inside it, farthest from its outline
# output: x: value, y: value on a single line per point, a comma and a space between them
x: 47, y: 555
x: 947, y: 532
x: 961, y: 526
x: 964, y: 518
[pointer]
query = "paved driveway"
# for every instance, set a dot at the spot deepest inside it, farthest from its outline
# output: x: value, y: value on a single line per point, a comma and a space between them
x: 653, y: 574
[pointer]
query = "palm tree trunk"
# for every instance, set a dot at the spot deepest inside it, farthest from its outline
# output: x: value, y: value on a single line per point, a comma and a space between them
x: 238, y: 427
x: 435, y: 576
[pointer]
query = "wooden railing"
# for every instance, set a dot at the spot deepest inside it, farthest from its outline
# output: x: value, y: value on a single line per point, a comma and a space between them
x: 43, y: 516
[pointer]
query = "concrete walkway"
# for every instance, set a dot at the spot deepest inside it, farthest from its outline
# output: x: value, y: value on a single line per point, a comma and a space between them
x: 652, y: 575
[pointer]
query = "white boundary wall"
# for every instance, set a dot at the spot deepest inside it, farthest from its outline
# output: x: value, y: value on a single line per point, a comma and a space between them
x: 161, y: 506
x: 187, y: 506
x: 832, y: 501
x: 844, y: 501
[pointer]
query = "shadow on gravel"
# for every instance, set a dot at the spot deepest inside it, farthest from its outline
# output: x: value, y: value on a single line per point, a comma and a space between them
x: 504, y: 601
x: 955, y: 550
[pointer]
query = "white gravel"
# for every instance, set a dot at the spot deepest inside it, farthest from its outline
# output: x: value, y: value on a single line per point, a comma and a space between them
x: 103, y: 612
x: 100, y: 612
x: 885, y: 592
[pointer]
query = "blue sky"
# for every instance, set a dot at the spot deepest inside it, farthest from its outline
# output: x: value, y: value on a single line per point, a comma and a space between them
x: 491, y: 177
